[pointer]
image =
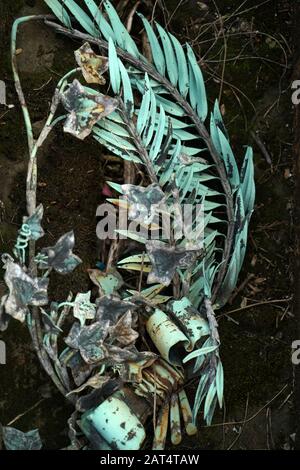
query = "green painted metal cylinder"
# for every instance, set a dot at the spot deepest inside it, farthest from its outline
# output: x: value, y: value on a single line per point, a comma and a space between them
x: 167, y: 337
x: 116, y: 423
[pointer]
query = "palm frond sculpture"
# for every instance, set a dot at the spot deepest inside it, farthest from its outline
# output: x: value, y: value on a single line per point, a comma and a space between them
x: 157, y: 119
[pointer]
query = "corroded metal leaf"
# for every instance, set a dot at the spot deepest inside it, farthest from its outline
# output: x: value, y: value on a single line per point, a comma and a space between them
x: 60, y: 256
x: 85, y: 109
x: 96, y: 381
x: 18, y: 440
x: 122, y: 332
x: 80, y: 370
x: 23, y: 291
x: 165, y: 259
x: 110, y: 308
x: 72, y: 339
x: 34, y: 223
x: 143, y: 201
x: 132, y: 371
x: 92, y: 65
x: 108, y: 282
x: 116, y: 355
x: 91, y: 342
x: 83, y: 308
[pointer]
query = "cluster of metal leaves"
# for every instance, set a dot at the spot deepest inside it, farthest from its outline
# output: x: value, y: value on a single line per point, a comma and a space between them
x: 26, y: 290
x: 158, y: 132
x: 167, y: 133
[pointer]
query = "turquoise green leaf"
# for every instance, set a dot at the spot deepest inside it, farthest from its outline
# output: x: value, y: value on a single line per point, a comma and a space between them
x: 114, y: 69
x: 99, y: 19
x: 210, y: 412
x: 220, y: 383
x: 170, y: 167
x: 229, y: 161
x: 171, y: 62
x: 114, y: 139
x: 197, y: 87
x: 219, y: 119
x: 199, y: 352
x: 209, y: 399
x: 214, y: 133
x: 247, y: 181
x: 200, y: 394
x: 121, y: 34
x: 150, y: 125
x: 143, y: 112
x: 157, y: 53
x: 121, y: 152
x: 60, y: 12
x: 170, y: 107
x: 235, y: 265
x: 83, y: 19
x: 183, y: 76
x: 112, y: 127
x: 159, y: 135
x: 127, y: 90
x: 117, y: 187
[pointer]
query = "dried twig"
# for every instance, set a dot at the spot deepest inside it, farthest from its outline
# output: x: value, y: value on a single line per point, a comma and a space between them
x: 262, y: 147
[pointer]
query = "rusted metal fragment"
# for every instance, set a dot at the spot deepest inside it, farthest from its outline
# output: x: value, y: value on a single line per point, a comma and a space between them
x: 159, y: 380
x: 175, y: 420
x: 141, y: 407
x: 92, y: 65
x: 161, y: 428
x: 85, y: 109
x: 187, y: 414
x: 143, y: 201
x: 165, y: 260
x: 132, y: 371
